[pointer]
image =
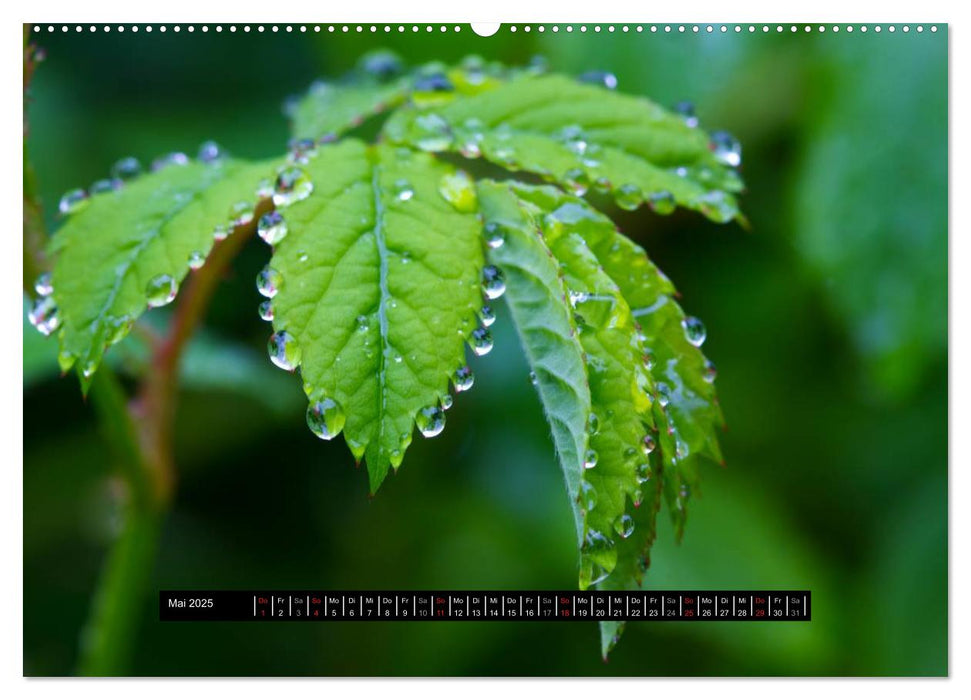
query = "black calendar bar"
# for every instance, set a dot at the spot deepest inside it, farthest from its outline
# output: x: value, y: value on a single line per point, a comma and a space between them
x: 477, y: 606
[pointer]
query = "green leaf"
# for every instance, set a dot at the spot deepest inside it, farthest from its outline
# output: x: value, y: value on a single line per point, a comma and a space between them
x: 132, y: 246
x: 328, y: 110
x: 379, y: 288
x: 581, y: 136
x: 536, y: 295
x: 652, y: 407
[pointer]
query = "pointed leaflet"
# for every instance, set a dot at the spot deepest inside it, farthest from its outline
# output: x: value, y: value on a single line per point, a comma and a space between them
x: 328, y: 110
x: 686, y: 412
x: 581, y: 135
x: 614, y: 464
x: 109, y: 252
x: 537, y: 299
x: 380, y: 286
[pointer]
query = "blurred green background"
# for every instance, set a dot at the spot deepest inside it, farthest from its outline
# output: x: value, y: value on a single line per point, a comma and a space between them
x: 828, y: 323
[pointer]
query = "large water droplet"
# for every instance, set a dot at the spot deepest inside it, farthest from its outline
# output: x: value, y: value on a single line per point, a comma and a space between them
x: 160, y: 290
x: 104, y: 185
x: 590, y: 459
x: 593, y: 424
x: 600, y: 78
x: 662, y: 202
x: 118, y: 328
x: 433, y: 133
x: 487, y: 315
x: 648, y: 444
x: 266, y: 310
x: 628, y: 197
x: 495, y: 235
x: 447, y: 401
x: 433, y: 82
x: 196, y: 260
x: 726, y: 148
x: 169, y: 159
x: 687, y: 111
x: 284, y: 351
x: 126, y: 169
x: 430, y: 421
x: 73, y: 201
x: 210, y: 152
x: 268, y: 282
x: 597, y: 543
x: 588, y: 496
x: 493, y: 282
x: 624, y: 526
x: 44, y: 315
x: 272, y: 227
x: 292, y: 185
x: 325, y: 418
x: 694, y: 330
x: 382, y: 65
x: 481, y: 341
x: 644, y: 473
x: 43, y: 285
x: 241, y: 213
x: 577, y: 181
x: 463, y: 379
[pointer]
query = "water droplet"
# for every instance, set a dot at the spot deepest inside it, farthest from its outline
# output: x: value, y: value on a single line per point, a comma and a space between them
x: 126, y: 169
x: 363, y: 324
x: 663, y: 394
x: 662, y: 202
x: 493, y: 282
x: 694, y: 330
x: 241, y: 213
x: 447, y: 401
x: 210, y: 152
x: 487, y: 315
x: 160, y: 290
x: 628, y: 197
x: 292, y: 185
x: 44, y: 316
x: 221, y: 232
x: 577, y: 181
x: 727, y: 149
x: 588, y: 496
x: 717, y: 206
x: 284, y: 351
x: 168, y: 159
x: 118, y: 328
x: 597, y: 543
x: 593, y: 424
x: 266, y: 310
x: 264, y: 189
x: 302, y: 257
x: 196, y: 260
x: 403, y: 190
x: 302, y: 150
x: 710, y: 372
x: 325, y: 418
x: 624, y: 526
x: 272, y: 227
x: 533, y: 378
x: 590, y: 459
x: 644, y: 473
x: 458, y: 189
x: 648, y: 444
x: 430, y: 421
x: 433, y: 133
x: 463, y: 379
x: 433, y: 82
x: 43, y: 285
x: 495, y: 235
x: 73, y: 201
x: 481, y: 341
x: 687, y: 111
x: 268, y: 282
x: 600, y: 78
x: 103, y: 186
x: 382, y: 65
